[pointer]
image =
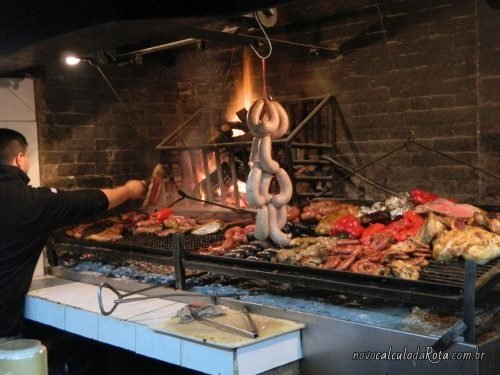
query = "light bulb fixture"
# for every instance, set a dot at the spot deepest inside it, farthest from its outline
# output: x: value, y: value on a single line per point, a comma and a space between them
x: 72, y: 60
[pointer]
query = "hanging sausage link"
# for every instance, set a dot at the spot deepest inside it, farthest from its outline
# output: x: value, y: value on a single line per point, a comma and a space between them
x: 268, y: 120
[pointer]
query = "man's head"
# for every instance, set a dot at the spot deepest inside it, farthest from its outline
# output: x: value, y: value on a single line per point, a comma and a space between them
x: 14, y: 149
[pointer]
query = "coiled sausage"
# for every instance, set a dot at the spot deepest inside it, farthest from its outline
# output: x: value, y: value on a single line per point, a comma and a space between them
x: 286, y: 190
x: 275, y: 233
x: 265, y: 156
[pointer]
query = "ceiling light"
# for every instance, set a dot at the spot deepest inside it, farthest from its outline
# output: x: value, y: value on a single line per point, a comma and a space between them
x: 72, y: 60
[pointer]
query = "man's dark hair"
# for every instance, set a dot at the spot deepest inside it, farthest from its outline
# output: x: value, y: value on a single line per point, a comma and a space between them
x: 11, y: 144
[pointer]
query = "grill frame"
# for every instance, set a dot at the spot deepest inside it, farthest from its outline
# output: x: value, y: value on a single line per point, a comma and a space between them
x: 440, y: 284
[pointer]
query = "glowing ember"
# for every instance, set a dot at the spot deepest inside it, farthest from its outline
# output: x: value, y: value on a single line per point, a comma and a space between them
x: 237, y: 133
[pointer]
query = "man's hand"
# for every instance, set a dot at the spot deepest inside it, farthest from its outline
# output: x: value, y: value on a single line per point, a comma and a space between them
x: 137, y: 188
x: 132, y: 189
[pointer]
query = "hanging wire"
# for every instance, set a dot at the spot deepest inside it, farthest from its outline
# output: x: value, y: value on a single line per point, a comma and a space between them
x: 457, y: 160
x: 263, y: 58
x: 267, y: 39
x: 103, y: 76
x: 356, y: 171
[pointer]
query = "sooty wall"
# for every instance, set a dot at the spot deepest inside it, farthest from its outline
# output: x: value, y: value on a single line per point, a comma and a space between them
x: 430, y: 67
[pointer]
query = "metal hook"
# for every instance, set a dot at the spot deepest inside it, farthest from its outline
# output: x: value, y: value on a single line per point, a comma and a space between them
x: 267, y: 38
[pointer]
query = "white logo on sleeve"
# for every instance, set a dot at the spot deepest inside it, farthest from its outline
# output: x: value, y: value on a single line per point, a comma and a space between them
x: 54, y: 190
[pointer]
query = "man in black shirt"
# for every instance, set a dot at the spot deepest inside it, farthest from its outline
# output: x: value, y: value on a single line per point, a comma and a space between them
x: 28, y: 215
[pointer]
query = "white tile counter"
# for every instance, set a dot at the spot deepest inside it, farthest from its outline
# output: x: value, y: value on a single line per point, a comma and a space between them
x: 73, y: 307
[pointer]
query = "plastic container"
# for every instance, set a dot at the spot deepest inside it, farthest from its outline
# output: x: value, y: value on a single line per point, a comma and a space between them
x: 23, y: 357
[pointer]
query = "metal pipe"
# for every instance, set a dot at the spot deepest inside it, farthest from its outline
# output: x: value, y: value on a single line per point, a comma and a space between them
x: 160, y: 47
x: 313, y: 113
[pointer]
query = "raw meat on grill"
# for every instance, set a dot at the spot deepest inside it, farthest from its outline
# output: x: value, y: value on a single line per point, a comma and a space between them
x: 445, y: 207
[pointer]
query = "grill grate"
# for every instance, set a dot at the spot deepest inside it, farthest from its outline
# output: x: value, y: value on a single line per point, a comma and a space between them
x: 146, y: 241
x: 450, y: 273
x: 438, y: 283
x: 190, y: 242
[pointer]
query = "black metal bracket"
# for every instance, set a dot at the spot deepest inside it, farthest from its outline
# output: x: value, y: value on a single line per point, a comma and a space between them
x: 447, y: 339
x: 180, y: 272
x: 51, y: 252
x: 469, y: 301
x: 237, y: 38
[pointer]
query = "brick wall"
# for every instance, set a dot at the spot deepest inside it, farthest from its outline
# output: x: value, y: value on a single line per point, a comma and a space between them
x: 426, y: 66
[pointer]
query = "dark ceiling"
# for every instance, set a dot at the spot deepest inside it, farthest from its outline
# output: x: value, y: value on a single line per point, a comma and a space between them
x: 37, y: 33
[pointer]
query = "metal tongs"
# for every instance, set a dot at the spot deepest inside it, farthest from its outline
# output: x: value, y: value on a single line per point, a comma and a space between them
x: 123, y: 297
x: 197, y: 314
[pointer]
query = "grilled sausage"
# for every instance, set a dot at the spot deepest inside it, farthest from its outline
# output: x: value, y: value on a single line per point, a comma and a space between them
x: 283, y: 122
x: 255, y: 199
x: 275, y: 233
x: 265, y: 182
x: 254, y: 152
x: 262, y: 223
x: 282, y: 215
x: 285, y: 193
x: 253, y: 118
x: 263, y: 118
x: 265, y: 156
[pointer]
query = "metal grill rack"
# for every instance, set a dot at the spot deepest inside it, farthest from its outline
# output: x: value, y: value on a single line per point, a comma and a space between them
x: 453, y: 284
x: 313, y: 123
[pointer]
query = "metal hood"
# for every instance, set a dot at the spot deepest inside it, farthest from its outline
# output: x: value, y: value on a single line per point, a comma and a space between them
x: 37, y: 33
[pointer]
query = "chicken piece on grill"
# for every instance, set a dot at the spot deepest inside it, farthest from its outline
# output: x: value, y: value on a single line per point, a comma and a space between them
x: 432, y: 226
x: 405, y: 270
x: 469, y: 242
x: 307, y: 251
x: 489, y: 221
x: 306, y: 241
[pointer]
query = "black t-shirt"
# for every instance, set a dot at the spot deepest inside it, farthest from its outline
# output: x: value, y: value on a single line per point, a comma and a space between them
x: 27, y: 216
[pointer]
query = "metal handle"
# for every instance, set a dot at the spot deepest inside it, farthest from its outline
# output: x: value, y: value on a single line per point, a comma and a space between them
x: 99, y: 298
x: 445, y: 341
x: 253, y: 327
x: 122, y: 297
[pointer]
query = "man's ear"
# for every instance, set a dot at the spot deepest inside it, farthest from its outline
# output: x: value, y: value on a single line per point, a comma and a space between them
x: 19, y: 159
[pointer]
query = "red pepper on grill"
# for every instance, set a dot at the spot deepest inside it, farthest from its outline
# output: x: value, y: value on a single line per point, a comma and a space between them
x: 406, y: 233
x: 399, y: 225
x: 161, y: 216
x: 348, y: 224
x: 408, y: 226
x: 369, y: 231
x: 420, y: 196
x: 415, y: 219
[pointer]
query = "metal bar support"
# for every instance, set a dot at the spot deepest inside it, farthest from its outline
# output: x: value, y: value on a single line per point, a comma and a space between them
x: 180, y: 274
x: 469, y: 301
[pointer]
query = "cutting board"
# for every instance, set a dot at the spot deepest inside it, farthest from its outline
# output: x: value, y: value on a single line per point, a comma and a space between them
x: 267, y: 327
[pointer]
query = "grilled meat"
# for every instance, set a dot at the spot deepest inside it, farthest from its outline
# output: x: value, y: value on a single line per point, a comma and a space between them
x: 325, y: 225
x: 445, y: 207
x: 489, y: 221
x: 112, y: 233
x: 208, y: 228
x: 405, y: 269
x: 470, y: 242
x: 432, y: 226
x: 307, y: 251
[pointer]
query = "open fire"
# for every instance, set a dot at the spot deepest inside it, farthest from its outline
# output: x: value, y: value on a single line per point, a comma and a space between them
x: 233, y: 129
